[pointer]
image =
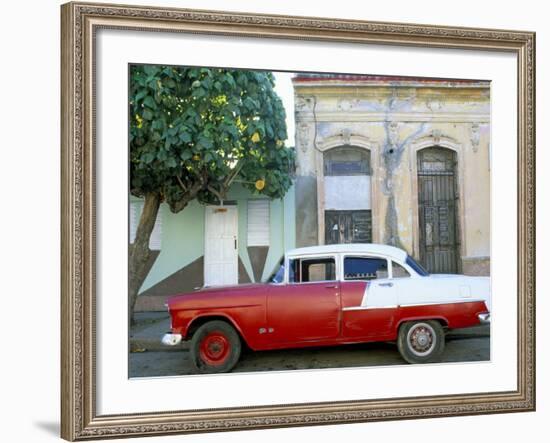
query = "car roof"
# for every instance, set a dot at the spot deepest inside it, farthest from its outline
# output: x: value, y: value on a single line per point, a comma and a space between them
x: 353, y: 248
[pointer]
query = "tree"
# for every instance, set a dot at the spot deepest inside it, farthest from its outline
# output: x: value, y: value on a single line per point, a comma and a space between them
x: 193, y: 132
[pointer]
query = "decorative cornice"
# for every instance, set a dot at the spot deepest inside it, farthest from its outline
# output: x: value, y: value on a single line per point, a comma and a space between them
x: 401, y: 84
x: 410, y: 117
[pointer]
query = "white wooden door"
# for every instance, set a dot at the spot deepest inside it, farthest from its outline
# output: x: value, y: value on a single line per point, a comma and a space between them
x: 221, y: 254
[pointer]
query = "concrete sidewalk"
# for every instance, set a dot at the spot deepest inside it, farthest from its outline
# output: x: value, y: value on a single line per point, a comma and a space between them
x: 146, y: 334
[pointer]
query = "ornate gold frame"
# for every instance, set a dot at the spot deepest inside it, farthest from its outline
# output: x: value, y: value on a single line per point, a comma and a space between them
x: 79, y: 420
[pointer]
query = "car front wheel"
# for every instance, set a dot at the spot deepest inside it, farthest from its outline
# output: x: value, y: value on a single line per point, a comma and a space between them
x: 421, y: 341
x: 215, y: 347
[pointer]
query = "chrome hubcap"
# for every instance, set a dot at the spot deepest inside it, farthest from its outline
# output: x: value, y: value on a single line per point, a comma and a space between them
x: 421, y: 339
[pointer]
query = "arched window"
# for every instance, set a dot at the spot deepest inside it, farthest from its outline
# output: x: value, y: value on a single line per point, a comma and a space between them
x: 347, y: 160
x: 347, y: 199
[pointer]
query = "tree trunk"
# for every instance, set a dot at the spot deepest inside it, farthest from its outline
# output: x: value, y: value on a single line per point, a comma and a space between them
x: 139, y: 252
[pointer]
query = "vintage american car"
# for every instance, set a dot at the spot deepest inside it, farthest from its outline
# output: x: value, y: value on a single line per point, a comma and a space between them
x: 325, y: 296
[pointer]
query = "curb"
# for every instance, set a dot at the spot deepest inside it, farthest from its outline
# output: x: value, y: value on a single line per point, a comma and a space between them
x: 154, y: 345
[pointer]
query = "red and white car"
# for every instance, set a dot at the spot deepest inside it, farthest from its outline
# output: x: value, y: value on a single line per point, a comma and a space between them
x: 325, y: 296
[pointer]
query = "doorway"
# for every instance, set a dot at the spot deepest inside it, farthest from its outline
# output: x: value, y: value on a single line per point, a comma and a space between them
x: 437, y: 210
x: 221, y: 257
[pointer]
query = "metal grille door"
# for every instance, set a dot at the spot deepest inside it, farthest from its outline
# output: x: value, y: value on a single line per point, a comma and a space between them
x: 437, y: 209
x: 348, y: 227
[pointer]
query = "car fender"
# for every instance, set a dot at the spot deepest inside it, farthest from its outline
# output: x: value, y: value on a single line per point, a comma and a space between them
x: 223, y: 315
x: 440, y: 318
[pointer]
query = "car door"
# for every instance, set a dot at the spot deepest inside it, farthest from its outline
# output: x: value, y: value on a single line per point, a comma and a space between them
x: 369, y: 297
x: 307, y: 308
x: 404, y: 285
x: 387, y: 288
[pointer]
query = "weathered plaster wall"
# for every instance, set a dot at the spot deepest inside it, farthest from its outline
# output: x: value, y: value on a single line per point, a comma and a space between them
x: 306, y: 211
x: 394, y: 120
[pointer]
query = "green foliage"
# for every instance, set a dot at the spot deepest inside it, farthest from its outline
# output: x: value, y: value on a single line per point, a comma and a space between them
x: 207, y: 126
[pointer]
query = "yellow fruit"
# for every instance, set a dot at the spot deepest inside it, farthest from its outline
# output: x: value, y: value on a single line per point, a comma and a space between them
x: 260, y: 184
x: 256, y: 137
x: 196, y: 157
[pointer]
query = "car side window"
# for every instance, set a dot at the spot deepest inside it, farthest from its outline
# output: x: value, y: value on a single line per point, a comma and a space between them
x: 312, y: 270
x: 278, y: 276
x: 399, y: 271
x: 365, y: 268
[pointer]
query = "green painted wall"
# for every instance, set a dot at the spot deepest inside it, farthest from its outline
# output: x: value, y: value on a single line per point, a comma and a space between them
x: 182, y: 242
x: 183, y: 235
x: 281, y: 230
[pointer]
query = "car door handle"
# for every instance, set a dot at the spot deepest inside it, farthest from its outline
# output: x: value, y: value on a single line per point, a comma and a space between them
x: 331, y: 286
x: 386, y: 285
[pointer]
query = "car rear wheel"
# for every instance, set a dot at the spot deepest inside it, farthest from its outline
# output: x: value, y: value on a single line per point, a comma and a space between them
x: 421, y: 341
x: 215, y: 347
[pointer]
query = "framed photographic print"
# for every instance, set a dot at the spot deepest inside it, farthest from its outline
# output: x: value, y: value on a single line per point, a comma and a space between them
x: 282, y: 221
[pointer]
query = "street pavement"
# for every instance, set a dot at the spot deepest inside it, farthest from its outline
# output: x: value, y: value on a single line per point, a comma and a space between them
x: 149, y: 358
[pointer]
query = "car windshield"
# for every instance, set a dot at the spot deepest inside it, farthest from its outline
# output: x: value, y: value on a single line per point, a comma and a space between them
x: 417, y: 266
x: 279, y: 273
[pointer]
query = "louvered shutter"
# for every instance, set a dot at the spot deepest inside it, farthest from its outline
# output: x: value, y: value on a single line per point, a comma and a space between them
x: 155, y: 242
x: 258, y: 223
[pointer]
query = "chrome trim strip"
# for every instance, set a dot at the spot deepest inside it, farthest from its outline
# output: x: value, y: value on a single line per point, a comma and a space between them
x: 408, y: 305
x: 466, y: 300
x: 364, y: 308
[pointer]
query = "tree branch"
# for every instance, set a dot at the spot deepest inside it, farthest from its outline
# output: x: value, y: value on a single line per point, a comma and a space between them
x: 181, y: 183
x: 215, y: 192
x: 229, y: 179
x: 189, y: 195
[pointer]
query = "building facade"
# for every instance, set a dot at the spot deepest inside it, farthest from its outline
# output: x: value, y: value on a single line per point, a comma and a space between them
x: 399, y: 161
x: 241, y: 241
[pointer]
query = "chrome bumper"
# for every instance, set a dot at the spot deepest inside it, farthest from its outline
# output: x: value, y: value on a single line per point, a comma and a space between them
x: 484, y: 318
x: 170, y: 339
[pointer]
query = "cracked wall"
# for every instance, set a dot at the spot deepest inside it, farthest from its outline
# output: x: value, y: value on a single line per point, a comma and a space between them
x: 394, y: 120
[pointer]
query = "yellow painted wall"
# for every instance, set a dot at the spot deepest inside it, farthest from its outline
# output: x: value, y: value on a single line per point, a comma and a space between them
x: 404, y: 117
